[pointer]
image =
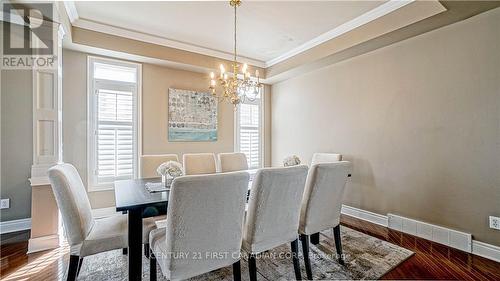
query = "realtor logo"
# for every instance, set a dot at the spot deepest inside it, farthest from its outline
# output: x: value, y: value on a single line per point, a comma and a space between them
x: 28, y: 35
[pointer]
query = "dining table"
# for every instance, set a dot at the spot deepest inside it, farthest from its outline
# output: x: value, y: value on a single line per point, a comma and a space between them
x: 132, y: 197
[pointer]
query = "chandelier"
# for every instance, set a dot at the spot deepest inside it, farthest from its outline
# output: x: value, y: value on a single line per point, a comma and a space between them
x: 236, y: 87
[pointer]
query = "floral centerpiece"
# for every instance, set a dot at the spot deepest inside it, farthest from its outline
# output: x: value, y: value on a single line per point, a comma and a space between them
x: 291, y: 161
x: 169, y: 170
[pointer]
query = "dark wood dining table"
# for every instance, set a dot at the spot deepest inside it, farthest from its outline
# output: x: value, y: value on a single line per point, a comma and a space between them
x: 132, y: 197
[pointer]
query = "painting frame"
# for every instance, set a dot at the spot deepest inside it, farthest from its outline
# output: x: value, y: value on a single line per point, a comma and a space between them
x: 192, y: 116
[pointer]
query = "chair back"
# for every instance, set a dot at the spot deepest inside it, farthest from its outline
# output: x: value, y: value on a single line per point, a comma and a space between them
x: 230, y: 162
x: 149, y: 164
x: 205, y: 216
x: 323, y: 194
x: 72, y: 201
x: 325, y: 158
x: 199, y: 163
x: 273, y: 208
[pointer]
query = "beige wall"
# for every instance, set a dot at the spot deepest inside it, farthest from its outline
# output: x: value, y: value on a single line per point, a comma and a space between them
x: 156, y: 81
x: 420, y: 120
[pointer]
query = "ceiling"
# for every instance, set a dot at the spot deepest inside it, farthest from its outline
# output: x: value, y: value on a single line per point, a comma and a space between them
x: 266, y: 30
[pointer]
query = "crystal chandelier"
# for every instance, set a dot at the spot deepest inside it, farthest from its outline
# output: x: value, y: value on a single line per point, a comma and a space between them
x: 237, y: 86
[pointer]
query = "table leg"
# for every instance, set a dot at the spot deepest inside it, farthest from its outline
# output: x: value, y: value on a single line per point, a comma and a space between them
x: 315, y: 238
x: 135, y: 244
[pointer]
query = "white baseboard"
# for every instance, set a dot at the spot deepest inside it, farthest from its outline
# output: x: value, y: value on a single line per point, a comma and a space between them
x: 15, y: 225
x: 453, y: 238
x: 43, y: 243
x: 485, y: 250
x: 365, y: 215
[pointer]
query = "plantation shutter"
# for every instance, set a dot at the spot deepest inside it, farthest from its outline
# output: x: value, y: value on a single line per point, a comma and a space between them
x: 113, y: 130
x: 114, y: 136
x: 249, y: 133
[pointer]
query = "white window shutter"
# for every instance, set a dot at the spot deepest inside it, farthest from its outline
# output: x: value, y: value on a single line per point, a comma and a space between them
x: 249, y: 133
x: 115, y: 130
x: 113, y: 146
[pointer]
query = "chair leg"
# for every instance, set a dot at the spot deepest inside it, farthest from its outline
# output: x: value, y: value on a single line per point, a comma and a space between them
x: 315, y: 238
x: 79, y: 266
x: 338, y: 243
x: 295, y: 257
x: 146, y: 250
x: 305, y: 251
x: 252, y: 267
x: 73, y: 267
x: 237, y: 271
x: 152, y: 266
x: 125, y: 251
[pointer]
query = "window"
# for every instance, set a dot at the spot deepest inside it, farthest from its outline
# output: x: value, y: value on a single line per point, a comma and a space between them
x: 249, y: 131
x: 113, y: 106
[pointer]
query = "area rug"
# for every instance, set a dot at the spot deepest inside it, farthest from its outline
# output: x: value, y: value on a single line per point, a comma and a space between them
x: 366, y: 257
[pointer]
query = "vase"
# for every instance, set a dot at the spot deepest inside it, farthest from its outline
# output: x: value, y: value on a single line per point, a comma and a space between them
x: 165, y: 181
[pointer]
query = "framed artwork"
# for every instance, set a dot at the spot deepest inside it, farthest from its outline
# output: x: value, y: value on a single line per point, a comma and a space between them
x: 192, y: 116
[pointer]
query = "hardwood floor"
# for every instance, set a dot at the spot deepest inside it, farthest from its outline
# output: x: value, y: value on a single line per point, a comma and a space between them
x: 431, y: 260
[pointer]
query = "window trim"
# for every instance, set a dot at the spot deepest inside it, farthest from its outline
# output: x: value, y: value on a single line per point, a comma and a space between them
x: 91, y: 118
x: 261, y: 128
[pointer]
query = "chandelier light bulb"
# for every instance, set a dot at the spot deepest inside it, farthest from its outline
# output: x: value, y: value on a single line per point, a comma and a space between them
x: 212, y: 76
x: 222, y: 69
x: 244, y: 69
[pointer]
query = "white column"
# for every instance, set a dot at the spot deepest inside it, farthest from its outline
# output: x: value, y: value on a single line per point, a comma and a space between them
x: 47, y: 150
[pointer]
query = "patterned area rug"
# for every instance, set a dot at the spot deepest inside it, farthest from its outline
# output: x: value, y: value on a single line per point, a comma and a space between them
x: 366, y: 257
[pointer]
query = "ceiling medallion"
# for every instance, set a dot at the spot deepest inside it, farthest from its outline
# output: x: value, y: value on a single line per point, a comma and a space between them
x: 235, y: 87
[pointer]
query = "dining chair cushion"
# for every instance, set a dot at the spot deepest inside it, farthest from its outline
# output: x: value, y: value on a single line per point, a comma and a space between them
x: 325, y: 158
x: 322, y: 200
x: 205, y: 216
x: 72, y: 200
x: 234, y: 161
x: 149, y: 164
x: 272, y: 218
x: 199, y: 163
x: 107, y: 234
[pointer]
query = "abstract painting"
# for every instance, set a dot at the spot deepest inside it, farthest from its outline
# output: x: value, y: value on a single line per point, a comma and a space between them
x: 192, y: 116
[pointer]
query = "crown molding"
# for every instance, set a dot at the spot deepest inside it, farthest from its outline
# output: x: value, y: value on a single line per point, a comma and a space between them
x: 71, y: 11
x: 158, y: 40
x: 365, y: 18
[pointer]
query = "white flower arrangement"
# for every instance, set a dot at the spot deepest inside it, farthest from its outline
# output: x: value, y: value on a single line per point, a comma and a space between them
x: 170, y: 168
x: 291, y: 161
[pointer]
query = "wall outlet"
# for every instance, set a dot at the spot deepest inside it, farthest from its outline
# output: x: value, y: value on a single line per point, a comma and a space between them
x: 5, y: 203
x: 494, y: 222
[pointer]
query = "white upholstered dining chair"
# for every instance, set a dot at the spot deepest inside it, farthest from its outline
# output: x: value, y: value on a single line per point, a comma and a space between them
x: 199, y: 163
x: 272, y: 218
x: 205, y: 218
x: 86, y: 235
x: 321, y: 205
x: 322, y: 157
x: 149, y: 163
x: 233, y: 161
